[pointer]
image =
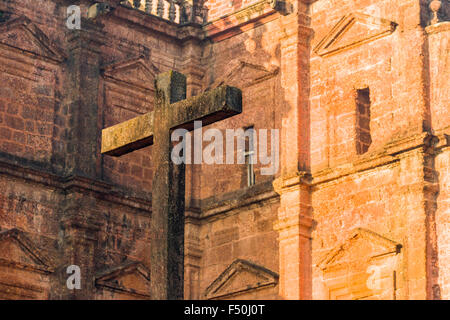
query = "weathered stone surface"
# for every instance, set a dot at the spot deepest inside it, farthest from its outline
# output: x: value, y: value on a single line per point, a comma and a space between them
x: 341, y: 171
x: 128, y: 136
x: 137, y: 133
x: 171, y: 111
x: 241, y: 277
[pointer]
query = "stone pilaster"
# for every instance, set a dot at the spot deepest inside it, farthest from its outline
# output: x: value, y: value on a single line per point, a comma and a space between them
x: 192, y: 255
x: 79, y: 238
x: 294, y: 215
x: 438, y: 47
x: 194, y: 71
x: 294, y: 226
x: 80, y: 121
x: 415, y: 242
x: 81, y: 100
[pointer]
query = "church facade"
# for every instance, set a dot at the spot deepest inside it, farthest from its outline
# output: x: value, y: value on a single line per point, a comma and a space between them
x: 358, y: 90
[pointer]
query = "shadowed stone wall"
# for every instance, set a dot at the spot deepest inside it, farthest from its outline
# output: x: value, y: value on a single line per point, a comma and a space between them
x: 333, y: 223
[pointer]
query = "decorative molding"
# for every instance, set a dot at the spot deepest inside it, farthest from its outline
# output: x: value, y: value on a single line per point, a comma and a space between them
x: 136, y: 72
x: 246, y: 73
x: 35, y: 42
x: 353, y: 30
x: 438, y: 27
x: 228, y: 204
x: 240, y: 21
x: 364, y: 266
x: 240, y: 277
x: 118, y: 279
x: 384, y: 246
x: 388, y: 155
x: 38, y: 173
x: 252, y: 11
x: 292, y: 181
x: 149, y: 23
x: 301, y: 223
x: 30, y: 257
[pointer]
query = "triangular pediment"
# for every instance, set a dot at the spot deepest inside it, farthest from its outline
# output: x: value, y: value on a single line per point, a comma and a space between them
x: 361, y: 245
x: 135, y: 72
x: 352, y: 30
x: 239, y: 277
x: 22, y: 34
x: 131, y: 277
x: 242, y: 74
x: 16, y: 250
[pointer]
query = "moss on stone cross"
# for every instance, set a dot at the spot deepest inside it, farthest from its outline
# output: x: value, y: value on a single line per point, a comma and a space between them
x: 172, y: 111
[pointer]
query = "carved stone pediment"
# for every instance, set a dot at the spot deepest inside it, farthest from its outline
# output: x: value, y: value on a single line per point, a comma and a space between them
x: 352, y: 30
x: 136, y: 72
x: 23, y: 35
x: 243, y: 74
x: 241, y: 276
x: 18, y: 251
x: 364, y: 266
x: 369, y: 243
x: 131, y: 278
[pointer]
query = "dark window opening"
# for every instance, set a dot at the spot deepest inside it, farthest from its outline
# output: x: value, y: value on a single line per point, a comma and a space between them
x: 363, y: 136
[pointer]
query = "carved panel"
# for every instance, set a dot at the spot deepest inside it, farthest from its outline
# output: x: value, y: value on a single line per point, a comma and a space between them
x: 24, y: 269
x: 23, y: 35
x: 364, y: 267
x: 243, y: 74
x: 127, y: 281
x: 352, y: 30
x: 239, y: 278
x: 137, y: 73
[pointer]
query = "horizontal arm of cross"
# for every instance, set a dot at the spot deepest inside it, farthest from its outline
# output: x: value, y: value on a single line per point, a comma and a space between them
x: 128, y: 136
x: 137, y: 133
x: 212, y: 106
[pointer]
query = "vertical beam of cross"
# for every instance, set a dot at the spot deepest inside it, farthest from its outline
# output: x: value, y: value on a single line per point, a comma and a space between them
x: 167, y: 247
x: 172, y: 111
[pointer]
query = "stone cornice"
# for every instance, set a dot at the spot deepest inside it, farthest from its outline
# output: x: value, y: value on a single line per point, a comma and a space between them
x: 207, y: 208
x: 389, y: 155
x: 240, y: 21
x: 90, y: 36
x: 438, y: 27
x: 246, y: 13
x: 220, y: 29
x: 68, y: 184
x: 228, y: 204
x: 292, y: 181
x: 293, y: 226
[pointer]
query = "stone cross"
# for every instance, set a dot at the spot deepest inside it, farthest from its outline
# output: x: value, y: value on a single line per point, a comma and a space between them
x: 172, y: 111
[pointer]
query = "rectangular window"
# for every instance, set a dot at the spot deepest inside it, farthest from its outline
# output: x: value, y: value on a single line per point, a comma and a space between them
x: 363, y: 136
x: 249, y: 154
